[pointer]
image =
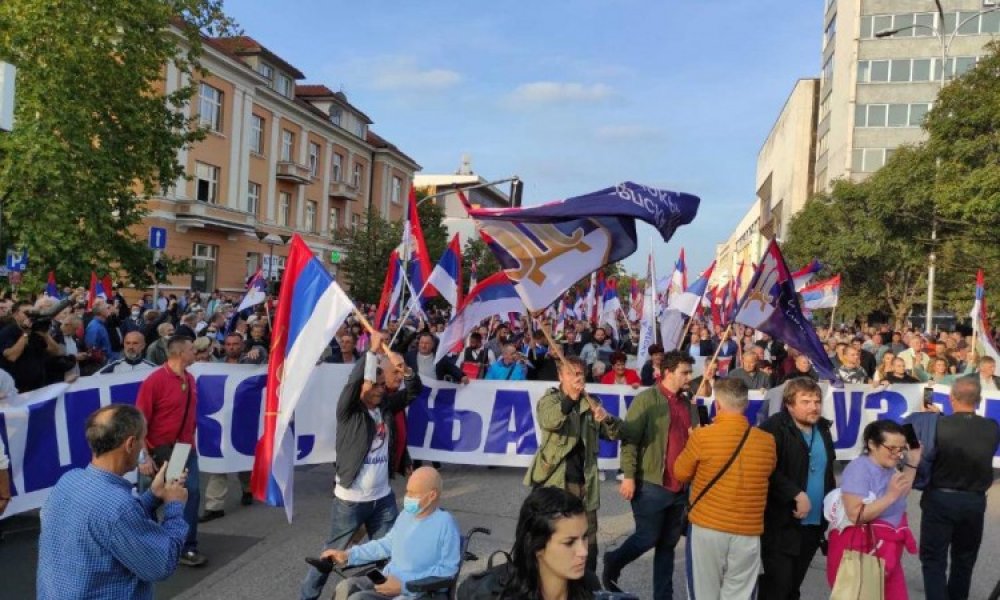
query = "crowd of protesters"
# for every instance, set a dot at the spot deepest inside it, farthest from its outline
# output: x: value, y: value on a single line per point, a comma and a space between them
x: 749, y: 495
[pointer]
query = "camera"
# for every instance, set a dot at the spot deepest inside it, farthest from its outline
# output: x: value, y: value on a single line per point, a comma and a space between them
x: 41, y: 321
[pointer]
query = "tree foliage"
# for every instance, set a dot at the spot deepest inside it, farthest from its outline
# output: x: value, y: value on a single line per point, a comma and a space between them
x: 877, y: 233
x: 366, y: 255
x: 93, y: 128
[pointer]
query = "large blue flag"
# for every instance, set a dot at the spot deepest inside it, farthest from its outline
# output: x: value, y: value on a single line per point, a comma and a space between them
x: 771, y: 305
x: 545, y: 249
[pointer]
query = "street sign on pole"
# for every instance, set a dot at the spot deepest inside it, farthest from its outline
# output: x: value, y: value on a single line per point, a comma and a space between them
x: 157, y: 238
x: 17, y: 260
x: 7, y: 76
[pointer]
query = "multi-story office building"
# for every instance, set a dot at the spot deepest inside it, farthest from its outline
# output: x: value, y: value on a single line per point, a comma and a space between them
x: 279, y: 158
x: 874, y: 90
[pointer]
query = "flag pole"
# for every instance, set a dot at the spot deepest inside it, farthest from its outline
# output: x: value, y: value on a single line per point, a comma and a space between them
x: 833, y: 315
x: 715, y: 355
x: 409, y: 307
x: 557, y: 352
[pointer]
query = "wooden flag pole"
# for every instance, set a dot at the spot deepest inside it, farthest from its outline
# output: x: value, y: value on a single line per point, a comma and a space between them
x: 833, y: 315
x: 715, y: 355
x: 557, y: 353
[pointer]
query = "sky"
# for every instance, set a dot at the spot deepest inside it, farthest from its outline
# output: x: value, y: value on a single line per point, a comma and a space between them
x: 572, y: 96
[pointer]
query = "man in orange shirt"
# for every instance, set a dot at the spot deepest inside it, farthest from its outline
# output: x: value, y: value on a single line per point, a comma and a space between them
x: 729, y: 464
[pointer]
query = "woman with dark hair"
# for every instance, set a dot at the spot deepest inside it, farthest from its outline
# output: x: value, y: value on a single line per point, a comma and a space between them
x: 619, y: 374
x: 874, y: 488
x: 549, y: 558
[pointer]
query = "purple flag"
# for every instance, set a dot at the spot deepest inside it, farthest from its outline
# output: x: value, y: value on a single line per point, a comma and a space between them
x: 772, y: 306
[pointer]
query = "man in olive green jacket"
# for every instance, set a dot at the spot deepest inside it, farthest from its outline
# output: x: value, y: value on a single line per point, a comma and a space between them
x: 571, y: 423
x: 653, y: 436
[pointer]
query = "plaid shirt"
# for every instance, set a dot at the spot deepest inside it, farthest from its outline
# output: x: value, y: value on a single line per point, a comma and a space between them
x: 100, y: 541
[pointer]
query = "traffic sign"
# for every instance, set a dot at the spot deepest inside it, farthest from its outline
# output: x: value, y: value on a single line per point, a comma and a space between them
x: 17, y: 261
x: 335, y: 257
x: 157, y: 238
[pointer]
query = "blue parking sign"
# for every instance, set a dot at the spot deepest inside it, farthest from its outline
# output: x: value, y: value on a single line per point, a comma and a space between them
x: 157, y: 238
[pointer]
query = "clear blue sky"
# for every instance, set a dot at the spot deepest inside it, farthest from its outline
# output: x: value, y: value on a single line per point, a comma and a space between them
x: 572, y: 96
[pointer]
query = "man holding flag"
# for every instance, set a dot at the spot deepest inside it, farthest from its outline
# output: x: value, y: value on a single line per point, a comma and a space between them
x: 367, y: 452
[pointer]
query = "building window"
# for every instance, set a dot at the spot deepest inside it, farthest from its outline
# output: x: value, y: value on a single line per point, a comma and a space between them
x: 257, y: 134
x: 310, y: 224
x: 210, y: 108
x: 338, y: 162
x: 253, y: 198
x: 355, y: 221
x: 284, y: 209
x: 397, y: 190
x: 356, y: 177
x: 203, y: 260
x: 359, y: 128
x: 336, y: 114
x: 207, y: 181
x: 313, y: 159
x: 253, y: 263
x: 869, y: 160
x: 287, y: 145
x: 267, y: 72
x: 334, y: 219
x: 906, y: 70
x: 284, y: 85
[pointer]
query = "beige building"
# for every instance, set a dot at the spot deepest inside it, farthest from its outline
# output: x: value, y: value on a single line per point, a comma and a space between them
x: 456, y: 219
x: 785, y: 161
x: 744, y: 246
x: 875, y: 91
x: 279, y: 158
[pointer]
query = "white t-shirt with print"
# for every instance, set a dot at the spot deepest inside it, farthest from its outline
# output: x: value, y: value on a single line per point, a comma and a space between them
x: 372, y: 481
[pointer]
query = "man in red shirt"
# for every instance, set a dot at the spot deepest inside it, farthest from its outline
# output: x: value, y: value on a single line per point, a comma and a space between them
x: 169, y: 400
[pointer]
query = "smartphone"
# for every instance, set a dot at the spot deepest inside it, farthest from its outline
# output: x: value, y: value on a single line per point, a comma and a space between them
x: 376, y: 576
x: 911, y: 436
x: 703, y: 418
x: 178, y: 460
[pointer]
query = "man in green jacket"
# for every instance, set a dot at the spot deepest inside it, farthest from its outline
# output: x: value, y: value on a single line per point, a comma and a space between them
x: 571, y: 422
x: 654, y: 434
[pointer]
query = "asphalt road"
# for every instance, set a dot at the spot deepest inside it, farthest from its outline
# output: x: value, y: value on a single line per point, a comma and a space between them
x: 254, y: 553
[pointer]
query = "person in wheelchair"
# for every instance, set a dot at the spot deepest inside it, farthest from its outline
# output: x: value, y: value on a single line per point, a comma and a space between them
x: 424, y: 542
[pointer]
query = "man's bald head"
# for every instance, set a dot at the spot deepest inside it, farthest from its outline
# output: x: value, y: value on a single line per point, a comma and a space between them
x: 424, y: 485
x: 134, y: 343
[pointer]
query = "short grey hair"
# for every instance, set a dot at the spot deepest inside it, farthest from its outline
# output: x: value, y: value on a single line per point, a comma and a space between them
x: 967, y: 390
x: 107, y: 428
x: 732, y: 393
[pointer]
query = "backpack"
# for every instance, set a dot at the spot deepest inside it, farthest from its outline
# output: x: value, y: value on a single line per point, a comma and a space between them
x: 925, y: 426
x: 488, y: 583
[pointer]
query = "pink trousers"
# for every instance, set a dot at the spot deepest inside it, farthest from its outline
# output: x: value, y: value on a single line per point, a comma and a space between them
x: 889, y: 544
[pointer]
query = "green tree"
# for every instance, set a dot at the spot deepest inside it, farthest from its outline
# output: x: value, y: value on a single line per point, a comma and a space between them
x: 366, y: 255
x: 93, y: 128
x: 477, y: 252
x: 431, y: 215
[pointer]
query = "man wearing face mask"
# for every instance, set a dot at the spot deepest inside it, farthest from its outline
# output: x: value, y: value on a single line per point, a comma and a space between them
x: 424, y: 542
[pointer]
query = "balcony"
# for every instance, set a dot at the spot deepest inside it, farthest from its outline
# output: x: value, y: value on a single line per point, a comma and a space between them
x: 293, y: 172
x: 344, y: 191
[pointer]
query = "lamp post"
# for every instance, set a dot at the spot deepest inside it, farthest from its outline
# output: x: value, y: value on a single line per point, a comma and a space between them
x: 266, y: 238
x: 946, y: 42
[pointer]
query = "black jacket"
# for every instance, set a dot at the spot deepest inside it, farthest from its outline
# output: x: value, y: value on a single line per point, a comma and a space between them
x: 356, y: 428
x: 790, y: 476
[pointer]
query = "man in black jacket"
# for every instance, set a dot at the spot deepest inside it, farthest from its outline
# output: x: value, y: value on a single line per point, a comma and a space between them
x: 793, y: 517
x: 366, y: 453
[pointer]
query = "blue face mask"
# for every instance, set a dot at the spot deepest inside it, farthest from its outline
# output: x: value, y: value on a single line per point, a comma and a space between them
x: 411, y: 505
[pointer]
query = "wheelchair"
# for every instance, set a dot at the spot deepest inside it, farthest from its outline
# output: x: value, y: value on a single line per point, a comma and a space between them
x: 428, y: 588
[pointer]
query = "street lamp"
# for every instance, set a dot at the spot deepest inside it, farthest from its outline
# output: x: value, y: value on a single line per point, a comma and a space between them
x: 945, y: 48
x: 267, y: 238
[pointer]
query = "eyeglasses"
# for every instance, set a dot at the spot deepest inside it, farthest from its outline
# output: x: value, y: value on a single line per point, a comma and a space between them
x: 894, y: 449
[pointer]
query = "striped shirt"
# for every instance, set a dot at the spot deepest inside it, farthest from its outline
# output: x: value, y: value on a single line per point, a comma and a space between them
x: 100, y: 541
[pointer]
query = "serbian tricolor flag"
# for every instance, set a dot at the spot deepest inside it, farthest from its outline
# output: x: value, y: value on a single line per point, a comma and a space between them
x: 493, y: 296
x: 679, y: 279
x: 546, y: 249
x: 473, y: 275
x: 446, y: 277
x: 418, y: 268
x: 771, y: 305
x: 690, y: 299
x: 803, y: 276
x: 256, y: 291
x: 51, y: 289
x: 822, y: 294
x: 97, y: 290
x: 985, y: 345
x: 392, y: 287
x: 311, y: 307
x: 734, y: 294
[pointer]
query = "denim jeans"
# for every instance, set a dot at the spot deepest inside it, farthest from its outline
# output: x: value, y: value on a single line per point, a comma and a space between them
x: 950, y: 520
x: 658, y: 514
x: 345, y: 518
x: 193, y: 502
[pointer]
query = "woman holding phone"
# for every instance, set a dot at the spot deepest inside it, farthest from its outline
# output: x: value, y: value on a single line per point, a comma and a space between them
x: 874, y: 488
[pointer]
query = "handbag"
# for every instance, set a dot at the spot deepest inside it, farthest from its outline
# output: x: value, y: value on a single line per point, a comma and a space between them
x: 684, y: 519
x: 161, y: 453
x: 861, y: 575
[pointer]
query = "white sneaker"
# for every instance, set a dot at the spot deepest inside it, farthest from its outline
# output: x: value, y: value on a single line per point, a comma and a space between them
x: 620, y: 476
